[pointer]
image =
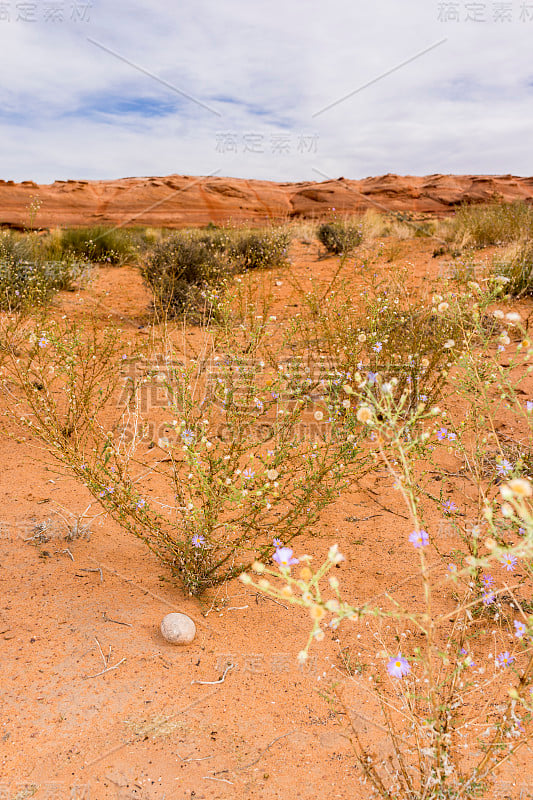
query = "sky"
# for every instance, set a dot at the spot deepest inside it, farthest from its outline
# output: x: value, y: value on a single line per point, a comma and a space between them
x: 287, y: 90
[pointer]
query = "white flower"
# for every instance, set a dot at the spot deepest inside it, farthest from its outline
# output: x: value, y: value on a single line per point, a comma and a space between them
x: 519, y: 487
x: 498, y: 314
x: 334, y: 555
x: 513, y: 316
x: 507, y: 510
x: 364, y: 414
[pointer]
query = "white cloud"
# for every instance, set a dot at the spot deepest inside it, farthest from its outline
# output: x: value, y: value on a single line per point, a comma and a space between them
x: 69, y: 109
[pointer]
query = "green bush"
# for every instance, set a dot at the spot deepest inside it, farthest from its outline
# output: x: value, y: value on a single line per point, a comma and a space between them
x: 491, y: 224
x: 518, y: 269
x: 27, y: 277
x: 99, y: 244
x: 181, y: 270
x: 260, y: 249
x: 340, y: 237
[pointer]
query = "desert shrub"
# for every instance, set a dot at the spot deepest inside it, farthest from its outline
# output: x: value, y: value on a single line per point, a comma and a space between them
x: 381, y: 334
x: 429, y: 665
x: 235, y: 466
x: 490, y: 224
x: 259, y: 249
x: 517, y: 270
x: 27, y: 279
x: 98, y: 244
x: 182, y: 270
x: 186, y: 268
x: 340, y: 237
x: 400, y: 225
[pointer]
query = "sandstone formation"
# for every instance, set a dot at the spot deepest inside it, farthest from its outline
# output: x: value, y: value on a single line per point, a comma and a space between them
x: 181, y: 200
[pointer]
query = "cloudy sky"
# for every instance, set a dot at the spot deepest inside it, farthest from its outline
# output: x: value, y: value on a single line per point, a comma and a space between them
x: 284, y: 90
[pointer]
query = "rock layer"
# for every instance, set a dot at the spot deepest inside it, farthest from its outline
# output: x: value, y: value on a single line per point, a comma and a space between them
x: 180, y: 200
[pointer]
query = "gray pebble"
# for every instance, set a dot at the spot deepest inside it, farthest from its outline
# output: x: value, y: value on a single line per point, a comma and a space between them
x: 178, y: 629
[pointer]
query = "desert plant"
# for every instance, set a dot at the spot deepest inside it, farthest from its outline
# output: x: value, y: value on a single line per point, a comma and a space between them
x: 516, y: 269
x: 382, y: 332
x: 260, y: 249
x: 234, y: 464
x: 27, y: 279
x: 182, y: 270
x: 340, y: 237
x: 400, y: 225
x: 430, y: 745
x: 489, y: 224
x: 98, y: 244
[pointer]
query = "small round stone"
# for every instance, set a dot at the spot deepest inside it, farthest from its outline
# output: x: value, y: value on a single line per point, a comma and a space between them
x: 178, y: 629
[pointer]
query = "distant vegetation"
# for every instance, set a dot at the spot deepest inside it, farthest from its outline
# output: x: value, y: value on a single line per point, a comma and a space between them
x: 340, y: 237
x: 184, y: 270
x: 490, y: 224
x: 29, y: 275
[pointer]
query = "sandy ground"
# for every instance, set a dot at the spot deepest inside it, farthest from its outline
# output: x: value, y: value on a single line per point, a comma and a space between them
x: 144, y: 728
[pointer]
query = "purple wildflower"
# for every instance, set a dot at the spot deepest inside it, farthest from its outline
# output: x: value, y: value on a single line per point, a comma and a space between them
x: 504, y: 468
x: 449, y: 506
x: 419, y: 539
x: 509, y: 562
x: 187, y: 436
x: 519, y: 629
x: 505, y: 659
x: 398, y: 667
x: 284, y: 557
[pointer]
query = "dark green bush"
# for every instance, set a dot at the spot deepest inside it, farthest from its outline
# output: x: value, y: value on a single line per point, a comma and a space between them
x: 186, y: 267
x: 340, y: 237
x: 100, y: 244
x: 27, y: 279
x: 182, y: 270
x: 260, y: 249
